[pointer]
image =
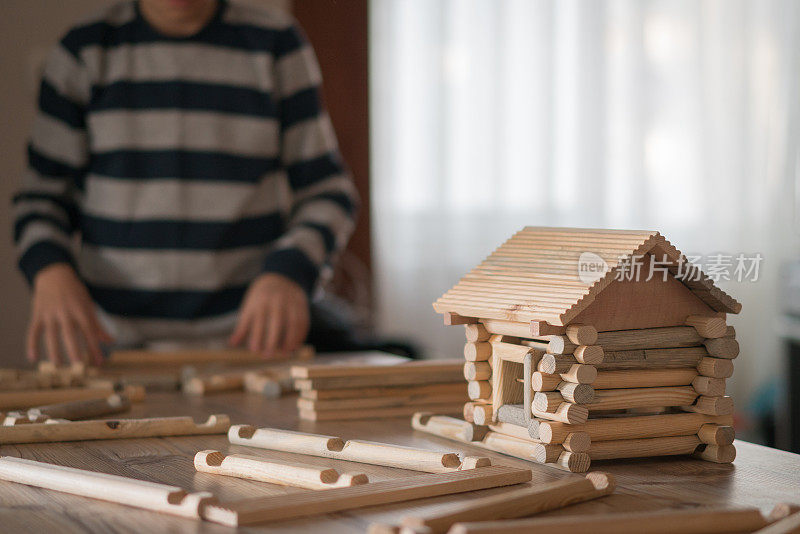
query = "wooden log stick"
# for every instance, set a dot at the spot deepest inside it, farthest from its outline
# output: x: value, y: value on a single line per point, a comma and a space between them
x: 720, y: 454
x: 541, y: 328
x: 710, y: 387
x: 616, y: 399
x: 694, y: 521
x: 112, y: 429
x: 469, y: 410
x: 482, y: 414
x: 715, y: 367
x: 280, y: 507
x: 650, y: 338
x: 552, y: 344
x: 556, y: 363
x: 128, y: 491
x: 631, y: 427
x: 477, y: 370
x: 445, y: 390
x: 708, y: 326
x: 641, y: 448
x: 711, y: 405
x: 448, y: 427
x: 576, y: 393
x: 219, y: 383
x: 544, y: 381
x: 476, y: 332
x: 275, y: 471
x: 787, y: 525
x: 590, y: 354
x: 723, y: 347
x: 521, y: 448
x: 507, y: 328
x: 14, y: 400
x: 573, y: 414
x: 644, y: 378
x: 652, y: 358
x: 547, y: 401
x: 353, y: 450
x: 577, y: 442
x: 712, y: 434
x: 268, y: 384
x: 518, y: 503
x: 513, y: 414
x: 477, y: 352
x: 510, y: 429
x: 581, y: 334
x: 76, y: 410
x: 143, y: 358
x: 580, y: 373
x: 479, y: 389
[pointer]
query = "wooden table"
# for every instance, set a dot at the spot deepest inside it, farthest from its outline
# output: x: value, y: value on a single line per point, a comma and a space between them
x: 759, y: 477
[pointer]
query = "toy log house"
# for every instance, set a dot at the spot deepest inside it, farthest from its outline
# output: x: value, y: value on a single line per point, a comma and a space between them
x: 627, y: 361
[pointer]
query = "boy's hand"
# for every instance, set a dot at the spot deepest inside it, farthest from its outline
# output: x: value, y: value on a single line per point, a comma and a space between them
x: 275, y: 315
x: 63, y: 310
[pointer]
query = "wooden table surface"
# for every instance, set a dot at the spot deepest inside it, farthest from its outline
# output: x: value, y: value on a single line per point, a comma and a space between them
x: 759, y: 477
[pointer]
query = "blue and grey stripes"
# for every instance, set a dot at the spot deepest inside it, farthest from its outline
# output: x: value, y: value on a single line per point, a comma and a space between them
x: 186, y: 167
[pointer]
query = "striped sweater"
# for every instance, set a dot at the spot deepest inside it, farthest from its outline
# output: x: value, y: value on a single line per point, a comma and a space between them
x: 172, y: 171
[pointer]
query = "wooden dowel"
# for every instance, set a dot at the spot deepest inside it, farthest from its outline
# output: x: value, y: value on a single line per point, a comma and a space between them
x: 444, y: 390
x: 544, y: 381
x: 477, y: 370
x: 128, y: 491
x: 631, y: 427
x: 479, y: 389
x: 405, y: 410
x: 142, y: 358
x: 541, y: 328
x: 556, y: 363
x: 715, y: 367
x: 787, y: 525
x: 86, y: 409
x: 510, y: 429
x: 305, y: 504
x: 641, y: 448
x: 723, y: 347
x: 576, y: 393
x: 14, y: 400
x: 616, y: 399
x: 694, y: 521
x: 507, y: 328
x: 590, y: 354
x: 650, y: 338
x: 509, y: 351
x: 353, y: 450
x: 518, y: 503
x: 710, y: 387
x: 580, y: 373
x: 469, y: 410
x: 553, y: 345
x: 203, y: 385
x: 644, y: 378
x: 708, y: 327
x: 582, y: 334
x: 477, y: 352
x: 716, y: 434
x: 653, y: 358
x: 482, y: 414
x: 476, y: 332
x: 267, y: 384
x: 275, y: 471
x: 577, y: 442
x: 513, y: 414
x: 574, y: 414
x: 547, y: 401
x: 113, y: 429
x: 712, y: 405
x: 720, y: 454
x: 378, y: 402
x: 448, y: 427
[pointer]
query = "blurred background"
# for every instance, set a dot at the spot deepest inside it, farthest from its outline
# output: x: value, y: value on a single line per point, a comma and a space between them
x: 465, y: 120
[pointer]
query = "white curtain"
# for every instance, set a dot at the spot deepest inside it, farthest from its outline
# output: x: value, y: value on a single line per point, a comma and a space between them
x: 674, y: 115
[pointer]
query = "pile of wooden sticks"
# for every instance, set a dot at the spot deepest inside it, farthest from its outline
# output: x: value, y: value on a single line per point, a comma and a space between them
x: 332, y: 392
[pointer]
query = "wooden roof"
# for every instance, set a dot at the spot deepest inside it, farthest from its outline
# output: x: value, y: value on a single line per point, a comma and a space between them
x: 534, y: 275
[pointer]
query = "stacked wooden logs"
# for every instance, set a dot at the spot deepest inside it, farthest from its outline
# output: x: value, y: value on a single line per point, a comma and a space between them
x: 333, y: 392
x: 616, y: 394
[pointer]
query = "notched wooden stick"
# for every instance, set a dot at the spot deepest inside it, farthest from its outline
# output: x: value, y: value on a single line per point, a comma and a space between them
x: 275, y: 471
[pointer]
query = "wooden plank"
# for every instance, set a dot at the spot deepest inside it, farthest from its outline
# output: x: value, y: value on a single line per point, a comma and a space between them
x: 453, y: 408
x: 694, y: 521
x: 353, y: 450
x: 380, y: 402
x: 265, y: 509
x: 84, y: 409
x: 444, y: 390
x: 128, y: 491
x: 388, y: 379
x: 15, y: 400
x: 423, y: 367
x: 112, y: 429
x: 631, y: 427
x: 518, y: 503
x: 275, y: 471
x: 452, y: 319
